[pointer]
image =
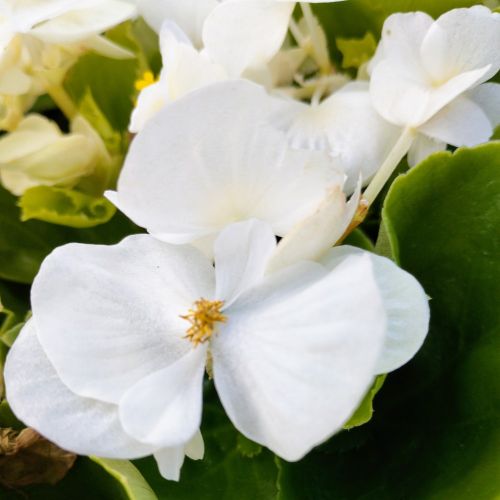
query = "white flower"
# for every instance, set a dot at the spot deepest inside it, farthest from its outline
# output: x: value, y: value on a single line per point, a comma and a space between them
x: 86, y: 426
x: 121, y: 335
x: 185, y: 69
x: 345, y: 125
x: 229, y: 39
x: 211, y: 159
x: 428, y: 75
x: 38, y: 153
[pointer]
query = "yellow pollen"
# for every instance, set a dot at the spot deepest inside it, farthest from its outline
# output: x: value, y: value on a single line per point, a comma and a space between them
x: 203, y: 318
x: 147, y: 79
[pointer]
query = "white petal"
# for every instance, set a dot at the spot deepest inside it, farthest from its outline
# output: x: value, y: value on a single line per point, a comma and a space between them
x: 40, y: 400
x: 298, y: 354
x: 79, y: 25
x: 463, y: 40
x: 422, y: 148
x: 242, y: 252
x: 461, y: 123
x: 358, y: 137
x: 192, y: 171
x: 406, y: 306
x: 316, y: 234
x: 106, y: 47
x: 150, y: 100
x: 188, y: 14
x: 164, y: 409
x: 195, y: 449
x: 242, y: 35
x: 402, y: 36
x: 107, y: 316
x: 406, y: 101
x: 487, y: 96
x: 32, y: 134
x: 170, y: 461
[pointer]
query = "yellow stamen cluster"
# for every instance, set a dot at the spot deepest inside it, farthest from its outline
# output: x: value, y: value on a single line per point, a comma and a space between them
x: 147, y: 79
x: 203, y: 318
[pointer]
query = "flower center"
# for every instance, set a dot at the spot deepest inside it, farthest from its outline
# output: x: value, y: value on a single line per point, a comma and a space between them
x: 203, y: 318
x: 147, y: 79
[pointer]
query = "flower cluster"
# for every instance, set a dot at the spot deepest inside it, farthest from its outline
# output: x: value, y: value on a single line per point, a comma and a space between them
x: 246, y: 172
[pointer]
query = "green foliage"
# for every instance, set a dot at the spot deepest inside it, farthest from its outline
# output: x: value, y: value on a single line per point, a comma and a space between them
x: 226, y: 472
x: 65, y: 206
x: 110, y: 81
x: 436, y: 431
x: 364, y: 413
x: 356, y: 51
x: 23, y: 245
x: 95, y: 479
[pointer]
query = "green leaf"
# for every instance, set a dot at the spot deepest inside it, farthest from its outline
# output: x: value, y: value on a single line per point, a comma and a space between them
x: 247, y: 447
x: 110, y: 81
x: 225, y: 473
x: 95, y: 479
x: 436, y: 432
x: 65, y: 207
x: 134, y: 485
x: 23, y: 245
x: 359, y: 239
x: 365, y: 411
x: 356, y: 51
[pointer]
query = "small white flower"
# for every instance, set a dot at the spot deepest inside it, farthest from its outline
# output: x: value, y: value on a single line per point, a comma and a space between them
x: 185, y: 69
x: 429, y: 76
x: 211, y: 159
x: 38, y: 153
x: 121, y: 335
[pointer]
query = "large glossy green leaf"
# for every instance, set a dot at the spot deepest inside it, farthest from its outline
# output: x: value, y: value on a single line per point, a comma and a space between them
x: 23, y: 245
x: 435, y: 433
x: 233, y: 468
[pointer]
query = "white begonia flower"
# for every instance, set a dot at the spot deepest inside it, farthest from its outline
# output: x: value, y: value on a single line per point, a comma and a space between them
x: 231, y: 39
x: 346, y: 126
x: 192, y: 170
x: 427, y: 76
x: 37, y: 153
x: 185, y: 69
x: 130, y: 343
x: 83, y: 425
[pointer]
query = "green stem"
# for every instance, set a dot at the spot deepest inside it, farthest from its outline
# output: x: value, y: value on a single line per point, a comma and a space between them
x: 320, y: 54
x: 393, y: 159
x: 63, y: 100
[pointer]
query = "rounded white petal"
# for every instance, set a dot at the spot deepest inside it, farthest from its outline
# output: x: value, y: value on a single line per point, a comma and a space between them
x: 242, y: 252
x: 164, y: 408
x: 461, y: 123
x: 487, y: 96
x: 243, y: 34
x: 82, y: 23
x: 298, y: 353
x: 150, y: 100
x: 107, y: 316
x: 188, y: 14
x: 39, y: 399
x: 422, y: 148
x: 405, y: 100
x: 402, y: 37
x: 460, y: 41
x: 193, y: 170
x: 405, y: 302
